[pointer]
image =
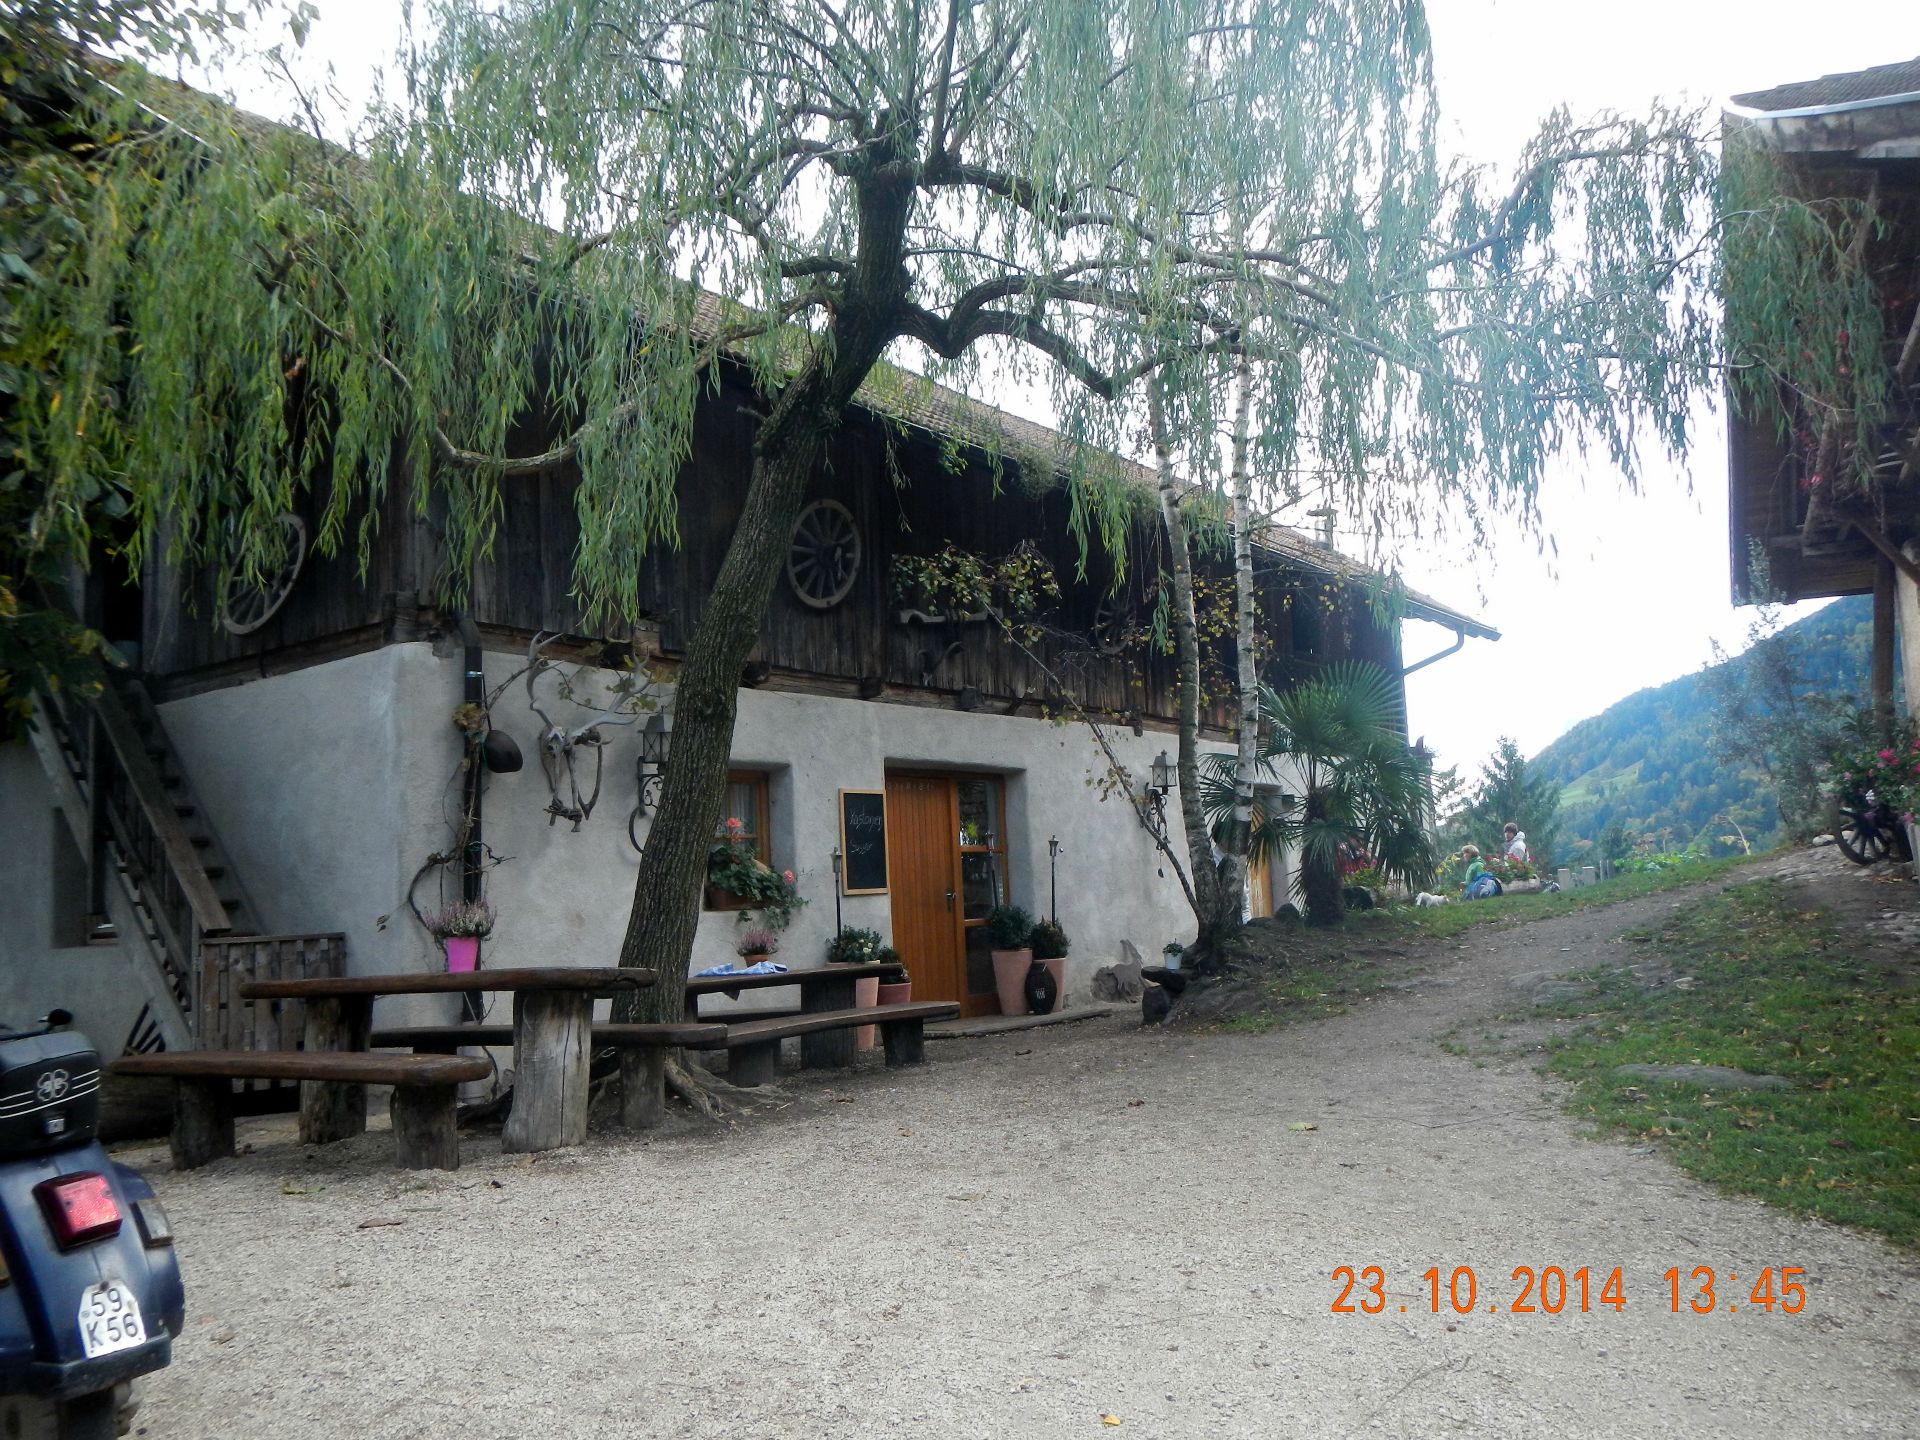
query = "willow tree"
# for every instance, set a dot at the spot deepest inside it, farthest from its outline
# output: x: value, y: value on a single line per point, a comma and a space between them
x: 1099, y: 192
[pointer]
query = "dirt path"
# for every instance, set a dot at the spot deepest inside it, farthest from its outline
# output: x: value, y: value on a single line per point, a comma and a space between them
x: 1031, y: 1233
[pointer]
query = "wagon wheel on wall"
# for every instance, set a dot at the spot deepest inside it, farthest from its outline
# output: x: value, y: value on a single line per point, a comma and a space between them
x: 823, y: 557
x: 245, y: 606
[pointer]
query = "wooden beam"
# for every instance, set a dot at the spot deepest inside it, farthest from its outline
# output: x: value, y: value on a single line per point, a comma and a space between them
x: 1886, y: 547
x: 1882, y: 670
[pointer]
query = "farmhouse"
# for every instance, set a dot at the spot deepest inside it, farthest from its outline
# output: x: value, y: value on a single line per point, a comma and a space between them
x: 1828, y: 514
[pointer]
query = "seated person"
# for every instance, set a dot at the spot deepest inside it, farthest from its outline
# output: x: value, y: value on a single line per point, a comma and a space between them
x: 1480, y: 885
x: 1517, y: 844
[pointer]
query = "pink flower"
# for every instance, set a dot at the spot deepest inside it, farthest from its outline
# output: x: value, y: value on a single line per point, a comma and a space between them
x: 787, y: 875
x: 1886, y: 754
x: 735, y: 825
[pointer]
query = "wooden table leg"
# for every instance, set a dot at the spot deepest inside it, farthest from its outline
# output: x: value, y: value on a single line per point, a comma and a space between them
x: 426, y: 1135
x: 331, y: 1111
x: 552, y: 1042
x: 202, y: 1120
x: 827, y: 1049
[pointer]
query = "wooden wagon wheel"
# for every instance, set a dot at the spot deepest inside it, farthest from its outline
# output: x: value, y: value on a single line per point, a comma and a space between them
x: 244, y: 606
x: 824, y: 556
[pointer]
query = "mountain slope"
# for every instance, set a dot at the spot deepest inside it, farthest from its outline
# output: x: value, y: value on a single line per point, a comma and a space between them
x: 1645, y: 760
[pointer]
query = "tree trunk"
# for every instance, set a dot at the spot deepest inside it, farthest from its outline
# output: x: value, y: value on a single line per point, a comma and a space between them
x: 1233, y: 869
x: 1319, y: 877
x: 1215, y: 923
x: 673, y: 864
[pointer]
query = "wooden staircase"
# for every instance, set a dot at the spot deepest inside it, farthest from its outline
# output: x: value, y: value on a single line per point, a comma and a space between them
x: 159, y: 879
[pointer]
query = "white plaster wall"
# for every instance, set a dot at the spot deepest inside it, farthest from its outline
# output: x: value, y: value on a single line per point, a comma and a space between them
x: 330, y: 786
x: 37, y: 974
x: 327, y: 787
x: 563, y: 897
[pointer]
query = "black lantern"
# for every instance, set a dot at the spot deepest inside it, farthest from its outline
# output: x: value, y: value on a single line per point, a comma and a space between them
x: 1162, y: 780
x: 651, y: 767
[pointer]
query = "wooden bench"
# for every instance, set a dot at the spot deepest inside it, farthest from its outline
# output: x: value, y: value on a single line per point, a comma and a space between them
x: 552, y: 1012
x: 755, y: 1044
x: 423, y: 1095
x: 822, y: 988
x: 643, y: 1055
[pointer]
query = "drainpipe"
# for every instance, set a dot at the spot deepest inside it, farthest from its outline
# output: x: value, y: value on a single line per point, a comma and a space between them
x: 1459, y: 644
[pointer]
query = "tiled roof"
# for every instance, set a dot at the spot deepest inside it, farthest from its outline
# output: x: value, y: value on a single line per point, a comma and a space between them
x: 1852, y: 87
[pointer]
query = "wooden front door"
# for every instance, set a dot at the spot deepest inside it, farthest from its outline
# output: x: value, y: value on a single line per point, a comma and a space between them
x: 946, y: 866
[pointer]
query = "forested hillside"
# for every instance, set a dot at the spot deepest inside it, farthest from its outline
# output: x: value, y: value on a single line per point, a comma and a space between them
x: 1646, y: 762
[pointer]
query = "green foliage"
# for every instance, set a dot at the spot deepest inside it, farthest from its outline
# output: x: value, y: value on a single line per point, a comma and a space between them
x: 1336, y: 739
x: 1772, y: 989
x: 1514, y: 789
x: 855, y: 946
x: 733, y: 865
x: 1889, y: 772
x: 1673, y: 765
x: 1008, y: 927
x: 1048, y: 941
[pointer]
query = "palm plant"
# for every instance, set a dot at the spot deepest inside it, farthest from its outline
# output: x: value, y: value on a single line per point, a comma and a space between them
x: 1360, y: 781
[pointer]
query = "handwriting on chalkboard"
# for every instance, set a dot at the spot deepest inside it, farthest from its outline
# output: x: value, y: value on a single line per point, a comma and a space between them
x: 863, y: 841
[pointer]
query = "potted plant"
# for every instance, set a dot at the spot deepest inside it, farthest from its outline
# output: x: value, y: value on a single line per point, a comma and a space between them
x: 460, y: 927
x: 1049, y: 944
x: 738, y: 879
x: 894, y: 992
x: 757, y: 945
x: 1008, y: 928
x: 1170, y: 954
x: 858, y: 946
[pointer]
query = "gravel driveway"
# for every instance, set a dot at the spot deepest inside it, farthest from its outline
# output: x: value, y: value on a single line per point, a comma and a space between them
x: 1030, y: 1234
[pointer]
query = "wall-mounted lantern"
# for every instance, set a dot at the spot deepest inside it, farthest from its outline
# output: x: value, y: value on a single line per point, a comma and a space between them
x: 656, y: 739
x: 1162, y: 778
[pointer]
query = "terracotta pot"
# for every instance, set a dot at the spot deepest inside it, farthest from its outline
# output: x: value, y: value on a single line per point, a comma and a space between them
x: 892, y: 994
x: 866, y: 993
x: 463, y: 953
x: 1010, y: 979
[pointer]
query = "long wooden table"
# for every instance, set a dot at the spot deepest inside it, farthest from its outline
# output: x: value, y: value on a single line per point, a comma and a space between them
x: 822, y: 987
x: 552, y: 1024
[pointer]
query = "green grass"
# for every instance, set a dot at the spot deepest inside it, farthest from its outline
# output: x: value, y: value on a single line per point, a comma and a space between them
x: 1445, y: 921
x: 1774, y: 990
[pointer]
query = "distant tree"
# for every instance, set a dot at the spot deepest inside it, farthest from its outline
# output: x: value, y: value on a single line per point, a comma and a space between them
x: 1510, y: 788
x: 1770, y: 713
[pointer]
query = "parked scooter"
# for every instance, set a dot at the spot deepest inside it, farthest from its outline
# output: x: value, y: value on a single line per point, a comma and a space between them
x: 90, y: 1293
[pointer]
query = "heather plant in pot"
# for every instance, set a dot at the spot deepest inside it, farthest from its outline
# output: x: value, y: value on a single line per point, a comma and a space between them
x: 460, y: 927
x: 1008, y: 929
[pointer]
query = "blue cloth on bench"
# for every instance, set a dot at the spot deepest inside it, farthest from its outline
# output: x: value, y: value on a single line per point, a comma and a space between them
x: 763, y: 967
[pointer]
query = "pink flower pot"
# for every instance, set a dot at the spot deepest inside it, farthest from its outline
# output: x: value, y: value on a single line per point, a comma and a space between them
x: 866, y: 993
x: 892, y: 994
x: 463, y: 953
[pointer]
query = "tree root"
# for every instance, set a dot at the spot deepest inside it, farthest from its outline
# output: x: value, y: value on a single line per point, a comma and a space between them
x: 710, y: 1095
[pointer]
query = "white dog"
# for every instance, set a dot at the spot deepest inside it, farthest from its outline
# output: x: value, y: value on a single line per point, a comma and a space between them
x: 1423, y: 899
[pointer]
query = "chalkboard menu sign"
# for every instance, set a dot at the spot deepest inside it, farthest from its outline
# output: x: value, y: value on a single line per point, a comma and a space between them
x: 863, y: 842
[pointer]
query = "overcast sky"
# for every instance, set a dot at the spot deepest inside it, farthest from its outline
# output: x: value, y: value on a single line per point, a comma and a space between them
x: 1638, y: 591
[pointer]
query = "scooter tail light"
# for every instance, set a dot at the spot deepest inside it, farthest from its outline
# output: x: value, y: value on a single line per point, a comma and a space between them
x: 79, y: 1208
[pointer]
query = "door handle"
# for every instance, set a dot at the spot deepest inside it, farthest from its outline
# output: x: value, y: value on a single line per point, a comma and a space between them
x: 949, y: 899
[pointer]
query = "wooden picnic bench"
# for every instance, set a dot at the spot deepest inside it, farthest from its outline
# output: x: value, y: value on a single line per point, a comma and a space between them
x: 755, y: 1044
x: 822, y: 988
x: 643, y: 1055
x: 552, y: 1015
x: 423, y: 1095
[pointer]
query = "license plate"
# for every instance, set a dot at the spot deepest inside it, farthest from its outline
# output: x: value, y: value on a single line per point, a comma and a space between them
x: 109, y: 1319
